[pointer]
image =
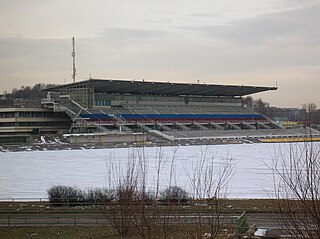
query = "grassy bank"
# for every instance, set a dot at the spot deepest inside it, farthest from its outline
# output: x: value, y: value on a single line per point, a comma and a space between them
x: 104, y: 231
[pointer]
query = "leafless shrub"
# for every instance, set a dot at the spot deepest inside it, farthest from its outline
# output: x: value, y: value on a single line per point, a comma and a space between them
x: 174, y: 194
x: 136, y: 208
x: 209, y: 182
x: 61, y: 195
x: 99, y: 195
x: 125, y: 184
x: 297, y: 188
x: 152, y: 214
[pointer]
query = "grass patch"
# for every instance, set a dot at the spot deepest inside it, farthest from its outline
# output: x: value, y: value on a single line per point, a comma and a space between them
x: 46, y: 232
x: 228, y: 206
x: 57, y: 232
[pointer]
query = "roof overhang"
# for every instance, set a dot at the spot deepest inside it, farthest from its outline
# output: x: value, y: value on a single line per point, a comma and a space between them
x: 164, y: 88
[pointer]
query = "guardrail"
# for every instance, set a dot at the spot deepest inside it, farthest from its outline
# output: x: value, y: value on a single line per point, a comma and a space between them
x: 3, y: 200
x: 53, y: 220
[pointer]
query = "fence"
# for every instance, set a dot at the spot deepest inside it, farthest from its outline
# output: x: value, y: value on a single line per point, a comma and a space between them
x: 53, y: 220
x: 97, y: 219
x: 26, y: 212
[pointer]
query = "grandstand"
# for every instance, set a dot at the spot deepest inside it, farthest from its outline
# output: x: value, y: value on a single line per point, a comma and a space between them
x: 167, y: 111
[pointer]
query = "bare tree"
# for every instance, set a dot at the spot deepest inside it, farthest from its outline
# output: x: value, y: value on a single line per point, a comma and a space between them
x: 297, y: 188
x: 209, y: 182
x: 152, y: 215
x: 309, y: 112
x: 248, y: 101
x: 135, y: 208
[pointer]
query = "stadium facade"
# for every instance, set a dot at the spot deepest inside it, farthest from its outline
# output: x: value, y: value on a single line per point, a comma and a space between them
x: 162, y: 111
x: 166, y: 110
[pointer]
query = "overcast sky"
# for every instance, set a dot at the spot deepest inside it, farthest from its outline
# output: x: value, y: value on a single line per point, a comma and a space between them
x: 249, y: 42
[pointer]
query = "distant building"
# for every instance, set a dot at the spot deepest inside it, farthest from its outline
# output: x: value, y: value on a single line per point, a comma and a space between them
x: 18, y: 123
x: 286, y: 114
x: 288, y: 124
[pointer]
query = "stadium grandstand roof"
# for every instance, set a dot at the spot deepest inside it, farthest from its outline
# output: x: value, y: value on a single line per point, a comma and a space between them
x: 163, y: 88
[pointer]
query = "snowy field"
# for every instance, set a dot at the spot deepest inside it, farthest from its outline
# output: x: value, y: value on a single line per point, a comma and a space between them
x: 30, y: 174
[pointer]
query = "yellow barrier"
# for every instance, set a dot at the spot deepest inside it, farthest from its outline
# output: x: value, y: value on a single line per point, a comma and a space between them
x: 288, y: 140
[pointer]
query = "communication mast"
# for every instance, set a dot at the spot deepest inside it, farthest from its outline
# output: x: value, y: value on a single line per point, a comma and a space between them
x: 73, y: 54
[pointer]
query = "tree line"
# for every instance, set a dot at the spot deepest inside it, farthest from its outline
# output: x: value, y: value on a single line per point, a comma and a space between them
x: 308, y: 113
x: 28, y: 92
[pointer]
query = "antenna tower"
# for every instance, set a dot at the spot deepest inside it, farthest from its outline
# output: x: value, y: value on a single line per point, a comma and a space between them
x: 73, y: 54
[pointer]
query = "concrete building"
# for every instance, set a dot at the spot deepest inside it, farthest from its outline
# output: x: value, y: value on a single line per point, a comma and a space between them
x: 19, y: 124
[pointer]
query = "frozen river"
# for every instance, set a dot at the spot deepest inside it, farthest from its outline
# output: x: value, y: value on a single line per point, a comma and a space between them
x: 30, y: 174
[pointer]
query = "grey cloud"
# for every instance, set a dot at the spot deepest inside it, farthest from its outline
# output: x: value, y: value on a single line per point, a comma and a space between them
x: 33, y: 54
x: 270, y: 41
x: 204, y: 15
x: 30, y: 61
x: 297, y: 26
x: 118, y: 45
x: 279, y: 40
x: 299, y: 3
x: 124, y: 37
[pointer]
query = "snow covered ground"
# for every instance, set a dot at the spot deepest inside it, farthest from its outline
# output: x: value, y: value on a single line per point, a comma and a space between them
x: 30, y: 174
